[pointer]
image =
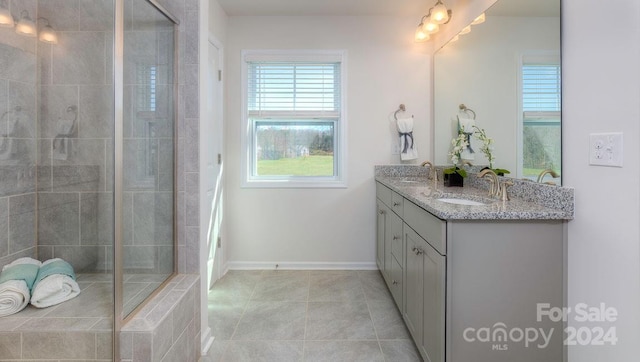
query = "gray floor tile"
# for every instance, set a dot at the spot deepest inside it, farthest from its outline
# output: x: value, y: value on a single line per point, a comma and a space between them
x: 224, y: 318
x: 400, y: 351
x: 282, y: 285
x: 387, y: 320
x: 306, y: 316
x: 267, y: 351
x: 331, y: 286
x: 235, y: 286
x: 352, y: 351
x: 374, y: 286
x: 215, y: 351
x: 339, y: 320
x: 272, y: 321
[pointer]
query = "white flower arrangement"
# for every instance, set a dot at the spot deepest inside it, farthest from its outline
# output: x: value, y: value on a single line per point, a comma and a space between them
x: 487, y: 149
x: 487, y: 144
x: 458, y: 144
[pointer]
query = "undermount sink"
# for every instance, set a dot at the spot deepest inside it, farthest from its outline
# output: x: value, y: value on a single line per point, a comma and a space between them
x: 461, y: 201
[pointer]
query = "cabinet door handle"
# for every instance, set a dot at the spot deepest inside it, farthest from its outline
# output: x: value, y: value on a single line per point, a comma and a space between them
x: 396, y: 237
x: 381, y: 212
x: 417, y: 251
x: 396, y: 204
x: 395, y: 282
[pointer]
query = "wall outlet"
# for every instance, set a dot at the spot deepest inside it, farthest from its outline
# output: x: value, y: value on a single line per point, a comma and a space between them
x: 395, y: 149
x: 605, y: 149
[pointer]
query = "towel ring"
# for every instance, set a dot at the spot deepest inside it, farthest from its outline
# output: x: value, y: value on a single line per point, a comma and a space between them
x: 467, y: 110
x: 401, y: 108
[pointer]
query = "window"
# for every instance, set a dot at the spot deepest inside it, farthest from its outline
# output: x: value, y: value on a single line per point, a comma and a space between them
x: 295, y: 121
x: 541, y: 116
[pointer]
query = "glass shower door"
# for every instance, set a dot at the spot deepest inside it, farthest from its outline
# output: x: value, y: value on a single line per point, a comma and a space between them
x: 148, y: 208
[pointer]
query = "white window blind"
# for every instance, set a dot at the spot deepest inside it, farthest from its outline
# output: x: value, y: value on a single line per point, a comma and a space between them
x: 541, y: 88
x: 293, y: 89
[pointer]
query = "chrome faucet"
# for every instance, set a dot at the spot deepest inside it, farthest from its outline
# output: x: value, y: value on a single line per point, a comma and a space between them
x: 545, y: 172
x: 466, y: 162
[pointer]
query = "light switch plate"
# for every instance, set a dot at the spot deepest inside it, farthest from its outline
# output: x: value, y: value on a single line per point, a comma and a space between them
x: 605, y: 149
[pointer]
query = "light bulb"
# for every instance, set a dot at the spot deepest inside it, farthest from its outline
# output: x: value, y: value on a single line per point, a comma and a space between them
x: 26, y: 26
x: 439, y: 13
x: 479, y: 20
x: 6, y: 20
x: 48, y: 35
x: 465, y: 30
x: 430, y: 28
x: 421, y: 35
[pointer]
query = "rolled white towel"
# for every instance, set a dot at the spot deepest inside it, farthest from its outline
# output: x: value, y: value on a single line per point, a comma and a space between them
x: 14, y: 297
x: 16, y: 280
x: 55, y: 284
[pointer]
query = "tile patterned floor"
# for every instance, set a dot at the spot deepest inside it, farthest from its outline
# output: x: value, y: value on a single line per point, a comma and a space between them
x: 306, y: 316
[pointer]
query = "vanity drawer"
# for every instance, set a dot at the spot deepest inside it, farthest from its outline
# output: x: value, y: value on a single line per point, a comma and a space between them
x: 429, y: 227
x: 383, y: 193
x: 396, y: 203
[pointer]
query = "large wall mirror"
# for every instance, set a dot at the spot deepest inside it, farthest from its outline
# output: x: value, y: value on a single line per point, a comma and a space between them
x: 507, y: 71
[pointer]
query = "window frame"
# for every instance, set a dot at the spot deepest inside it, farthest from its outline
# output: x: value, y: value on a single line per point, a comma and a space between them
x: 525, y: 58
x: 248, y: 134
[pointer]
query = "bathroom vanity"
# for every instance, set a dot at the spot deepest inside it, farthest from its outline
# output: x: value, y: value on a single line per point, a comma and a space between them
x: 471, y: 277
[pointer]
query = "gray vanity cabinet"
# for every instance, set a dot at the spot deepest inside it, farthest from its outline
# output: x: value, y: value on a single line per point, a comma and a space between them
x: 390, y: 249
x: 454, y: 280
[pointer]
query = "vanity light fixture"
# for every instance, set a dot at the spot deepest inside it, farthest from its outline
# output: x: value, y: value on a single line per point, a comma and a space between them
x: 26, y: 26
x: 6, y: 19
x: 479, y: 20
x: 47, y: 34
x: 440, y: 14
x: 429, y: 24
x: 465, y: 30
x: 421, y: 35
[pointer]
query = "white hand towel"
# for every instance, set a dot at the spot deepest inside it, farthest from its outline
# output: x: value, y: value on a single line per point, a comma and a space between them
x: 56, y: 285
x: 15, y: 293
x: 408, y: 150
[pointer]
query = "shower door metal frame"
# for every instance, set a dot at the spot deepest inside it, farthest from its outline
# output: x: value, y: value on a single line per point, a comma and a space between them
x: 118, y: 82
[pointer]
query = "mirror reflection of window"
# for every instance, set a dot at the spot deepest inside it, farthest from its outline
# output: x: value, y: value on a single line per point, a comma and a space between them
x: 541, y: 115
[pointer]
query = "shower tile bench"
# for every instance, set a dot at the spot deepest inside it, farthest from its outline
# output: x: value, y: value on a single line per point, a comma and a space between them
x: 82, y: 328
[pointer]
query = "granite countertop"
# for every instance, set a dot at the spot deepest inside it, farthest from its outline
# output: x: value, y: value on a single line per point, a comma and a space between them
x: 537, y: 201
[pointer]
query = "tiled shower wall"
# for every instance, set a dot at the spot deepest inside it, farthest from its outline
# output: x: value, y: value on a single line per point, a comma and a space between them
x: 75, y: 168
x: 17, y: 141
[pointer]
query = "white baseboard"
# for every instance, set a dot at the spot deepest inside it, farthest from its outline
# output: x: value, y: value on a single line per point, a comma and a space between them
x: 206, y: 341
x: 248, y: 265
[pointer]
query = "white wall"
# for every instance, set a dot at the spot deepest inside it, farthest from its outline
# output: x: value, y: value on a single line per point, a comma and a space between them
x: 601, y: 93
x: 385, y: 68
x: 218, y: 21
